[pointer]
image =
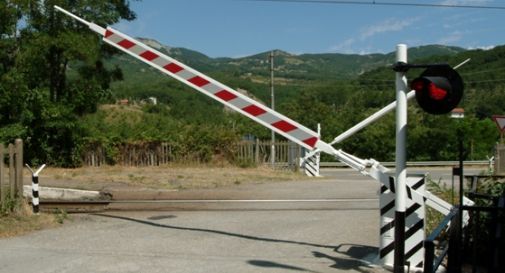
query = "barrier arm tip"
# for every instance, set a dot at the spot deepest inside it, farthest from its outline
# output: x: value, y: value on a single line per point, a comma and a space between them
x: 96, y: 28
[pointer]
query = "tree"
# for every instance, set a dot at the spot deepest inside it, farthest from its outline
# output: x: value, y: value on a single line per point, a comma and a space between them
x: 52, y: 72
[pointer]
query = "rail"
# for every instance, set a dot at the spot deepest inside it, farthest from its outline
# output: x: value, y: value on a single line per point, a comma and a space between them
x: 79, y: 206
x: 415, y: 164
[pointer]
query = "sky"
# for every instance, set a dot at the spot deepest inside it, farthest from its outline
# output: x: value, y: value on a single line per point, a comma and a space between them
x: 238, y: 28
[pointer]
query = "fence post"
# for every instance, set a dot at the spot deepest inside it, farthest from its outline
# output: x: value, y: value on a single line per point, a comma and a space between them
x: 454, y: 251
x: 12, y: 181
x: 499, y: 159
x: 257, y: 152
x: 298, y: 158
x: 18, y: 144
x: 429, y: 256
x: 2, y: 175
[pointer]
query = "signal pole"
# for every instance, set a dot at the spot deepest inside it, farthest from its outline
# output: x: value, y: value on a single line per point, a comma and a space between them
x: 272, y: 102
x: 401, y: 166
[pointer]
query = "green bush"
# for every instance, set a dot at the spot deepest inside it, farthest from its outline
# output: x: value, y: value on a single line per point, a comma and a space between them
x: 9, y: 205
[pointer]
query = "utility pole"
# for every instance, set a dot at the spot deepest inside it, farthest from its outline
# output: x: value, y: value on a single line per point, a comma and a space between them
x: 272, y: 102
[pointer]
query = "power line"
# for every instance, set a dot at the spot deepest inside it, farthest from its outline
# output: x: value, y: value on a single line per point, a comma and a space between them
x: 377, y: 3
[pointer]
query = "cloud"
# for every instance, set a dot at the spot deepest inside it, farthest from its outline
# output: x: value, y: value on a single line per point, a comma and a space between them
x: 488, y: 47
x: 389, y: 25
x: 465, y: 2
x: 453, y: 37
x: 345, y: 46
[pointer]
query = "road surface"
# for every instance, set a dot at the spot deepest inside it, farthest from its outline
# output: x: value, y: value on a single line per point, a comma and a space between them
x: 315, y: 225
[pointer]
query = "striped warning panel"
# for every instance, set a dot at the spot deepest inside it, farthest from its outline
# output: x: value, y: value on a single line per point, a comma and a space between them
x: 311, y: 165
x: 216, y: 90
x: 414, y: 223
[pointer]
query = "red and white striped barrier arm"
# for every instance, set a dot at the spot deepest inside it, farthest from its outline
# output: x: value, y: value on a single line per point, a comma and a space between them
x: 214, y: 89
x: 206, y: 85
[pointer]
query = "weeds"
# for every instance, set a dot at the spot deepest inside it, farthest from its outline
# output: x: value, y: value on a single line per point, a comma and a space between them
x: 245, y: 163
x: 136, y: 178
x: 17, y: 218
x: 60, y: 216
x: 10, y: 205
x: 433, y: 217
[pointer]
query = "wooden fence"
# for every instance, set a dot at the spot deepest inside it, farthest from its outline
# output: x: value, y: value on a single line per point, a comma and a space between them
x: 11, y: 172
x: 257, y: 152
x: 150, y: 154
x: 287, y: 153
x: 138, y: 155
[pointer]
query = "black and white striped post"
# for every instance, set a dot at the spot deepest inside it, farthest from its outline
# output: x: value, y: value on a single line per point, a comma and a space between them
x: 414, y: 221
x: 401, y: 161
x: 311, y: 164
x: 35, y: 187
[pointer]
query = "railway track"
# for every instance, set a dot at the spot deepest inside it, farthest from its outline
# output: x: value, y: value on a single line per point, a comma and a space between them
x: 207, y: 204
x: 73, y: 206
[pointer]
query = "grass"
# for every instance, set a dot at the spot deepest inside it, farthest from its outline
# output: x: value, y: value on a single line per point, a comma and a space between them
x: 433, y: 217
x: 21, y: 221
x: 490, y: 186
x: 161, y: 177
x: 16, y: 217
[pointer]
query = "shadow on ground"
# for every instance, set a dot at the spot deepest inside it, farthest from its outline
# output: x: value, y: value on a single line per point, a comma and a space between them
x: 270, y: 264
x: 224, y: 233
x: 352, y: 257
x: 347, y: 256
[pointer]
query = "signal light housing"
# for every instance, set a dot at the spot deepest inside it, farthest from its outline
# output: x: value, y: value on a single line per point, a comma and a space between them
x: 439, y: 89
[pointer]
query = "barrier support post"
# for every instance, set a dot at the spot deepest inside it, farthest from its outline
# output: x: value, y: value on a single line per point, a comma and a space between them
x: 401, y: 161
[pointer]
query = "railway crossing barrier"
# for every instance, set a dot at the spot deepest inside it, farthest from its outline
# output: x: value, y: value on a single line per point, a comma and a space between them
x: 401, y: 191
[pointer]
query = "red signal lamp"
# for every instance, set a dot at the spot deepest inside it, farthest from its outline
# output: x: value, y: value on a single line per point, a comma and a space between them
x: 439, y: 89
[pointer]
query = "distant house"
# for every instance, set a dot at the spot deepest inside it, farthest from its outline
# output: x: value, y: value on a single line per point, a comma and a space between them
x: 152, y: 100
x: 458, y: 113
x: 123, y: 102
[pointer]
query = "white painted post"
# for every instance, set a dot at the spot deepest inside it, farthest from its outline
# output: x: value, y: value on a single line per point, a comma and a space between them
x: 401, y: 166
x: 272, y: 105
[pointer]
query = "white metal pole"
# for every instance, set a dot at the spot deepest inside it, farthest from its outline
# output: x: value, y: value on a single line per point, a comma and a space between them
x: 92, y: 26
x: 401, y: 159
x: 272, y: 101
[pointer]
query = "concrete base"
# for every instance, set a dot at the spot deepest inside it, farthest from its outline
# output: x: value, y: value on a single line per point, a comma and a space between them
x: 65, y: 194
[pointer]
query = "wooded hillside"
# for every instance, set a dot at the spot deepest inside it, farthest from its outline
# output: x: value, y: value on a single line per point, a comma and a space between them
x: 58, y: 84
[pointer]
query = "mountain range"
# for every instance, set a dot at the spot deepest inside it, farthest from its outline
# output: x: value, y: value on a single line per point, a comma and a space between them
x: 288, y: 66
